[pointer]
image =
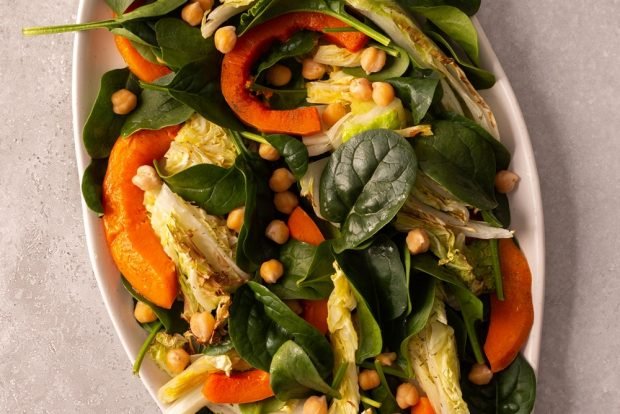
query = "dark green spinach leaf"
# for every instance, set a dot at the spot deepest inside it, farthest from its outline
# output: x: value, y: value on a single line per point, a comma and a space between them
x: 119, y: 6
x: 217, y: 190
x: 417, y: 92
x: 182, y: 44
x: 512, y: 391
x: 293, y: 151
x: 300, y: 43
x: 293, y: 375
x: 281, y: 99
x: 92, y: 184
x: 365, y: 183
x: 169, y: 318
x: 218, y: 349
x: 307, y: 271
x: 268, y: 406
x: 103, y: 126
x: 457, y: 158
x: 260, y: 323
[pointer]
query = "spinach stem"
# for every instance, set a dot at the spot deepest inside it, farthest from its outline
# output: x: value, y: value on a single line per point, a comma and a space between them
x: 389, y: 50
x: 153, y: 87
x: 356, y: 24
x: 497, y: 270
x: 145, y: 346
x: 379, y: 369
x: 254, y: 137
x: 370, y: 402
x: 43, y: 30
x: 342, y: 370
x: 339, y: 29
x: 388, y: 370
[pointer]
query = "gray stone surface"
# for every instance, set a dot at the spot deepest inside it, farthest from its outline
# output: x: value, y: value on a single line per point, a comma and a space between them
x: 58, y: 351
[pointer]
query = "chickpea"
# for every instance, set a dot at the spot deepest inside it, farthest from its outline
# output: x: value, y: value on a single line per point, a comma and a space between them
x: 225, y: 39
x: 277, y: 231
x: 192, y: 14
x: 333, y: 113
x: 271, y: 270
x: 312, y: 70
x: 202, y: 325
x: 146, y: 178
x: 123, y: 101
x: 315, y: 405
x: 505, y: 181
x: 268, y: 152
x: 295, y: 306
x: 386, y: 358
x: 407, y: 395
x: 206, y: 5
x: 361, y: 89
x: 281, y: 180
x: 285, y: 202
x: 144, y: 313
x: 418, y: 241
x: 372, y: 60
x: 177, y: 360
x: 368, y: 379
x: 234, y: 221
x: 278, y: 75
x: 382, y: 93
x: 480, y: 374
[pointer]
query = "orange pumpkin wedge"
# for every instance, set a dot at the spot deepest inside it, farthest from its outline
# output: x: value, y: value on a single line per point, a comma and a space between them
x: 237, y: 66
x: 134, y: 246
x: 238, y: 388
x: 145, y: 70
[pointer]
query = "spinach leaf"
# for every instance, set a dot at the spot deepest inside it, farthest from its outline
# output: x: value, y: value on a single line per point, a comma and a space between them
x: 293, y: 376
x: 480, y: 78
x: 512, y: 391
x: 383, y: 393
x: 119, y: 6
x: 215, y: 189
x: 470, y: 7
x: 253, y: 247
x: 155, y: 9
x: 218, y: 349
x: 370, y: 338
x: 92, y: 184
x: 197, y: 85
x: 156, y: 110
x: 460, y: 332
x: 307, y: 271
x: 260, y: 323
x: 293, y: 151
x: 365, y: 183
x: 264, y: 10
x: 502, y: 212
x: 457, y: 158
x: 456, y: 24
x: 182, y: 44
x: 502, y: 155
x: 378, y: 274
x: 471, y: 306
x: 271, y: 405
x: 300, y: 43
x: 169, y: 318
x: 141, y: 32
x: 281, y: 99
x: 394, y: 67
x: 417, y: 92
x: 103, y: 126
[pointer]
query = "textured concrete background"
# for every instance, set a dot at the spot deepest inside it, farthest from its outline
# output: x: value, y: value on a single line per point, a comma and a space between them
x: 58, y: 351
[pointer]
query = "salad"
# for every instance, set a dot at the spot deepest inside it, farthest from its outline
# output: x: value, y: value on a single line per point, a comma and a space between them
x: 307, y: 201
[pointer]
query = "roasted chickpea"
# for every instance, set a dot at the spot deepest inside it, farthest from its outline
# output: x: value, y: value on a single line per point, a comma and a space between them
x: 315, y: 405
x: 277, y: 231
x: 361, y: 89
x: 373, y: 60
x: 177, y: 360
x: 144, y: 313
x: 225, y: 39
x: 333, y: 113
x: 368, y: 379
x: 285, y: 202
x: 123, y: 101
x: 387, y: 358
x: 281, y: 180
x: 505, y: 181
x: 278, y: 75
x: 146, y: 178
x: 407, y: 395
x: 271, y: 270
x: 234, y: 221
x: 202, y: 325
x: 312, y: 70
x: 382, y: 93
x: 480, y: 374
x: 206, y: 5
x: 192, y: 14
x: 418, y: 241
x: 268, y: 152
